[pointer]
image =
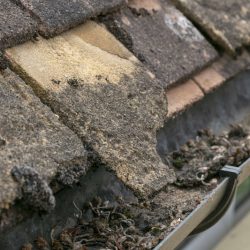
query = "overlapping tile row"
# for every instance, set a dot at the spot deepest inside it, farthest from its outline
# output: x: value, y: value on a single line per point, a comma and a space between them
x: 221, y: 71
x: 21, y: 20
x: 57, y: 16
x: 162, y: 39
x: 35, y: 148
x: 113, y: 104
x: 16, y: 26
x: 227, y: 22
x: 187, y: 93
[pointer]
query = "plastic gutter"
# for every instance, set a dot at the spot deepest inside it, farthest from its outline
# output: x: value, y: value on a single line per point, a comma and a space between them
x: 211, y: 209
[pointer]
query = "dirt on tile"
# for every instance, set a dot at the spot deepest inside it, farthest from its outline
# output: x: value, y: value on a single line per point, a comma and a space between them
x: 16, y: 25
x: 60, y: 15
x: 199, y: 160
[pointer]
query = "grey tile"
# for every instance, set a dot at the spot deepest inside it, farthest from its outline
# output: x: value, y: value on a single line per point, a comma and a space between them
x: 163, y: 39
x: 16, y: 26
x: 113, y: 104
x: 35, y: 147
x: 227, y: 22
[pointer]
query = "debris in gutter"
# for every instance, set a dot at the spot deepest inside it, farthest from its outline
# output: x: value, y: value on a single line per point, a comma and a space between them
x: 198, y: 161
x: 102, y: 224
x: 105, y: 225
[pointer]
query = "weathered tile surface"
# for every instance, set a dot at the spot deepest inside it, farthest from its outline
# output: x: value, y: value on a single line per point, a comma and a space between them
x: 110, y: 102
x: 16, y: 26
x: 226, y: 21
x: 162, y: 38
x: 181, y: 96
x: 59, y: 15
x: 34, y: 147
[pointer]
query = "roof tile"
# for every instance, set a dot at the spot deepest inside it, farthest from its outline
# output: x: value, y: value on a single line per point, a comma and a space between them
x: 162, y: 38
x: 227, y: 22
x: 16, y: 26
x: 110, y: 102
x: 34, y: 146
x: 59, y: 15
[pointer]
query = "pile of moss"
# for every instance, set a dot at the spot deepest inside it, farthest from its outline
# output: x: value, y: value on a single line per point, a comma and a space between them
x: 200, y: 159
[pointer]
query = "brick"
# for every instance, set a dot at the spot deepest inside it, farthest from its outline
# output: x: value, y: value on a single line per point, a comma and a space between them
x: 227, y: 22
x: 16, y: 26
x: 110, y: 102
x: 182, y: 96
x: 35, y: 148
x: 60, y: 15
x: 162, y: 38
x: 209, y: 79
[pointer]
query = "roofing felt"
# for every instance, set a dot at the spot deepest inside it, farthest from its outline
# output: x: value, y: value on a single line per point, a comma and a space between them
x: 227, y: 22
x: 112, y: 103
x: 34, y: 147
x: 162, y: 38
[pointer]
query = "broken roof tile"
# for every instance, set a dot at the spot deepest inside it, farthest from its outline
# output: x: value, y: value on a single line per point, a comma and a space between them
x: 60, y: 15
x: 34, y: 147
x: 111, y: 103
x: 16, y: 26
x: 162, y: 38
x: 227, y: 22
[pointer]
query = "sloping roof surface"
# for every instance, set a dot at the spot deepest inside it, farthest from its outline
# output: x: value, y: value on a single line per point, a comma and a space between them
x: 32, y: 143
x: 16, y: 26
x: 111, y: 103
x: 106, y: 86
x: 56, y: 16
x: 227, y: 22
x: 162, y: 38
